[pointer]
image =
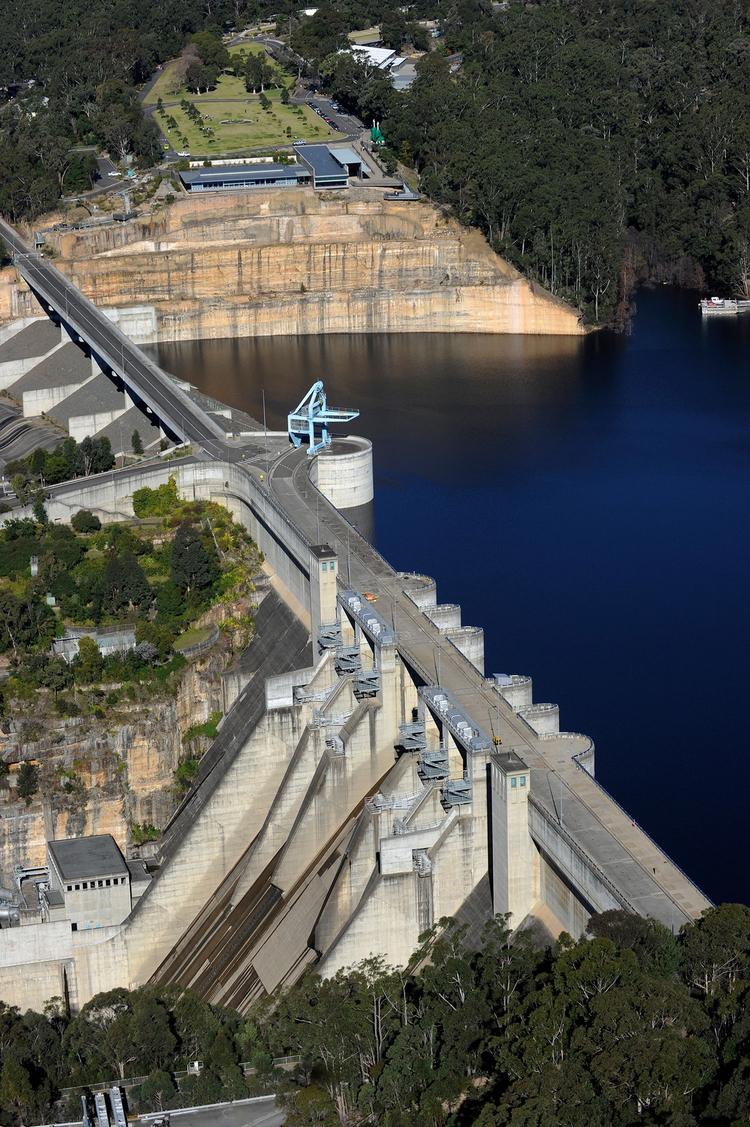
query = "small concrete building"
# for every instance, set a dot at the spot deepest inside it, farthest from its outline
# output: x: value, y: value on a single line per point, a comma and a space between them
x: 109, y: 639
x: 91, y: 880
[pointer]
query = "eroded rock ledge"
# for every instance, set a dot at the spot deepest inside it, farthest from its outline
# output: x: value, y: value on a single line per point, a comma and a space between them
x: 292, y: 262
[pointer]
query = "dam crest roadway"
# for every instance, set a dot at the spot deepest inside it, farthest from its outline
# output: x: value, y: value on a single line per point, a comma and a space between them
x: 368, y: 778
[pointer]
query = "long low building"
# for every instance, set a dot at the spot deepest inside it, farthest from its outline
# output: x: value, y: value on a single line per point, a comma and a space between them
x: 233, y: 177
x: 317, y: 166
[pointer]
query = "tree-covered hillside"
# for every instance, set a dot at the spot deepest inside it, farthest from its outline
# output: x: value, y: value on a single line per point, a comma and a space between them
x: 590, y: 141
x: 68, y: 74
x: 631, y: 1027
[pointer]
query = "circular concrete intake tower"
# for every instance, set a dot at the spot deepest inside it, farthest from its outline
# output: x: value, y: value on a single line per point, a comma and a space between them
x: 343, y: 472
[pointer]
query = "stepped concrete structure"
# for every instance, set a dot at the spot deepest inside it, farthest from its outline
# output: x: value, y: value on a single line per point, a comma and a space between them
x: 368, y: 777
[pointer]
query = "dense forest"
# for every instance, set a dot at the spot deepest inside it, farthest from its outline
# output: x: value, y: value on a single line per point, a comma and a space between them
x: 594, y: 143
x: 70, y: 74
x: 632, y: 1026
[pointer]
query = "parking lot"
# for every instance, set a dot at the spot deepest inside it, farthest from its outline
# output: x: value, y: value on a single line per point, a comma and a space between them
x: 333, y: 114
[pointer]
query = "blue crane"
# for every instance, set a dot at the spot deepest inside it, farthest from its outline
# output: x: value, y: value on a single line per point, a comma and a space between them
x: 312, y: 411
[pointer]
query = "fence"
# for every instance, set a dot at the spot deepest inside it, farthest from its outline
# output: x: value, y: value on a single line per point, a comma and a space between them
x: 199, y: 648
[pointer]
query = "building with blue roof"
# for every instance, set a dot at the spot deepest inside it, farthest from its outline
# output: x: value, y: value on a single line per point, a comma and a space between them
x: 234, y: 177
x: 325, y: 170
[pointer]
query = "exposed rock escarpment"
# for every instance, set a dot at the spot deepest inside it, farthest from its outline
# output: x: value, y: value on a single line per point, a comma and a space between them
x: 103, y: 775
x: 293, y: 262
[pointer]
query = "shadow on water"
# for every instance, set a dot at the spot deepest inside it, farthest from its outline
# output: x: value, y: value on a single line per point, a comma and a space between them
x: 586, y: 502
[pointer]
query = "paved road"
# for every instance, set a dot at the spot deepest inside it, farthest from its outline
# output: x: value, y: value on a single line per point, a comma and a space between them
x: 160, y: 393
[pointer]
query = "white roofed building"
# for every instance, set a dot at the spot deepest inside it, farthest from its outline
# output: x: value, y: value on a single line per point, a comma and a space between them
x: 382, y: 57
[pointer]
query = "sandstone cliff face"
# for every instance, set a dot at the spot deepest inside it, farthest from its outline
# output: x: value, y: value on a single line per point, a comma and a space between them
x: 293, y: 262
x: 100, y: 776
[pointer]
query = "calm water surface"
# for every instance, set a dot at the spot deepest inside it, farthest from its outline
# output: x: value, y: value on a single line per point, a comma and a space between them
x: 587, y: 503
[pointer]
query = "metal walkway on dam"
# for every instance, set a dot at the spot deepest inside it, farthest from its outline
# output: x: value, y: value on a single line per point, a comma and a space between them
x: 572, y: 820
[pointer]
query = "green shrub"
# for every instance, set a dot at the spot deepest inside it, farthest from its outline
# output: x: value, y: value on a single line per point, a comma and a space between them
x: 185, y: 772
x: 85, y: 521
x: 28, y: 782
x: 207, y: 729
x: 142, y: 832
x: 159, y: 502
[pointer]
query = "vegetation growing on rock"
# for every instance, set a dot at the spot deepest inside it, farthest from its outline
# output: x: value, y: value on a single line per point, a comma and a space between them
x: 159, y: 579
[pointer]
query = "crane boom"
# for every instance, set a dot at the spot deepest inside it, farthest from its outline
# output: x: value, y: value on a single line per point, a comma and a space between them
x: 313, y: 412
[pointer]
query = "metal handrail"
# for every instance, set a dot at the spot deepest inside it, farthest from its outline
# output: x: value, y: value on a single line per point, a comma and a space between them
x: 645, y: 833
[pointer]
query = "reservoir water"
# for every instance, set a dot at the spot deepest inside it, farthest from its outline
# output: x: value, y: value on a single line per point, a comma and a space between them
x: 586, y: 502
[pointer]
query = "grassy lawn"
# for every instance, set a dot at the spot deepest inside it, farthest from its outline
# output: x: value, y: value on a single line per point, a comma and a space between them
x: 192, y: 637
x: 228, y: 86
x: 240, y: 125
x: 235, y: 116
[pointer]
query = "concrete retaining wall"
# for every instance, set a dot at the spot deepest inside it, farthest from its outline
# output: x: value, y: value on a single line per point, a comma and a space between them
x: 574, y: 870
x: 85, y: 426
x: 12, y: 370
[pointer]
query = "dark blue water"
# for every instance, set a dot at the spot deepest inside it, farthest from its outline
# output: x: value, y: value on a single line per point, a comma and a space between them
x: 587, y: 503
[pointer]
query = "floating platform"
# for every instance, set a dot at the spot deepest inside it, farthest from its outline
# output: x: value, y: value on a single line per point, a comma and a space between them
x: 718, y: 306
x: 723, y: 306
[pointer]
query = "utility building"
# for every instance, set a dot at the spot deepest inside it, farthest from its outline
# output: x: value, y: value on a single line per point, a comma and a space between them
x: 91, y: 880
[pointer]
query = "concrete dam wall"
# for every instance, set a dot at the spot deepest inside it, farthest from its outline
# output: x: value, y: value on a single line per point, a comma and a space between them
x: 294, y: 262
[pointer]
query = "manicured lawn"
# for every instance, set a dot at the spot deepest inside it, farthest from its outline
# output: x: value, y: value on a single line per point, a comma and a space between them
x: 236, y: 117
x: 241, y: 125
x: 228, y: 85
